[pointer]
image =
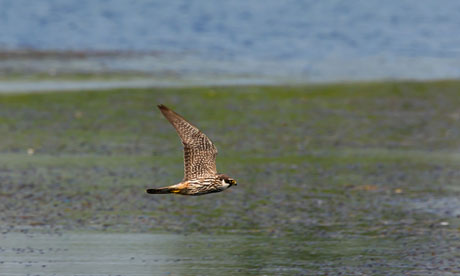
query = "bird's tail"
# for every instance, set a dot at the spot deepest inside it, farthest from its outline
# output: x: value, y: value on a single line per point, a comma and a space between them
x: 165, y: 190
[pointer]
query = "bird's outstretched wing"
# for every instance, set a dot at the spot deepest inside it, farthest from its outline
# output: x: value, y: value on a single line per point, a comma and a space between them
x: 199, y: 152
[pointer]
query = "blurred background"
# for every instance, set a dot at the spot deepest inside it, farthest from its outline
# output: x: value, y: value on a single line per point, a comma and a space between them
x: 339, y: 119
x: 274, y: 41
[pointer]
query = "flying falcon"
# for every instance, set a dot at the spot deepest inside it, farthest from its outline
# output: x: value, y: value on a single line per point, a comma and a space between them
x: 200, y: 176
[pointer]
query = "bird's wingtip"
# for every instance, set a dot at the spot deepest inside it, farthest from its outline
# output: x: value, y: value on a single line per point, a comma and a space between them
x: 164, y: 108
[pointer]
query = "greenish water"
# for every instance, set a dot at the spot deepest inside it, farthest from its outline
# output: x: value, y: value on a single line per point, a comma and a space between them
x: 353, y: 178
x: 197, y: 254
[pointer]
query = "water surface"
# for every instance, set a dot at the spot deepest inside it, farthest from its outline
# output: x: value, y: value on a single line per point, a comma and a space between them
x: 196, y: 254
x: 308, y: 40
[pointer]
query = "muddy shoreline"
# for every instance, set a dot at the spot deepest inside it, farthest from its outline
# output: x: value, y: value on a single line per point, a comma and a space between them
x: 372, y: 165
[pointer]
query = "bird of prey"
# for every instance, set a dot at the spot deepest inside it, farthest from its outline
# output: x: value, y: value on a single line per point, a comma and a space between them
x: 200, y: 173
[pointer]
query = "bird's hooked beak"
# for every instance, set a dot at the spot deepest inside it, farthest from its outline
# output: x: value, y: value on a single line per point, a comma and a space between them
x: 233, y: 183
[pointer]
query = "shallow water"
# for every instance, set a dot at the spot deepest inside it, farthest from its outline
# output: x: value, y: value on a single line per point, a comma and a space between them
x: 173, y: 254
x: 354, y: 183
x: 62, y: 86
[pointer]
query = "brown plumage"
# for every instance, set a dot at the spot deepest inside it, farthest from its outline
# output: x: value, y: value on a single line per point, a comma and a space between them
x: 200, y: 173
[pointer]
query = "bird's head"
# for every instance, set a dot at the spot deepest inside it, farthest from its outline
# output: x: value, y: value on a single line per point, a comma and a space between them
x: 225, y: 178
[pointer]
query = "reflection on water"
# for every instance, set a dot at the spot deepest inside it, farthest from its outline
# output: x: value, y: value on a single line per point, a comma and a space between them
x: 171, y: 254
